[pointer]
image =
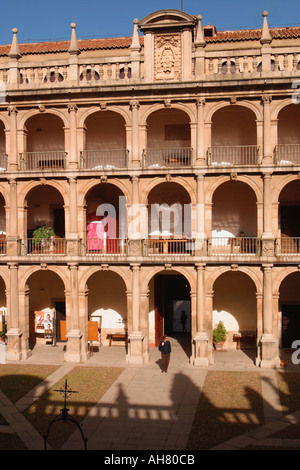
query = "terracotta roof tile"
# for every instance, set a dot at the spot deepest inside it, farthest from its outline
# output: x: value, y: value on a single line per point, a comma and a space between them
x: 125, y: 42
x: 254, y: 34
x: 63, y: 46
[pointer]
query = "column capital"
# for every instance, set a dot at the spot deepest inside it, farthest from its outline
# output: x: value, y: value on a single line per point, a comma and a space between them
x: 200, y: 102
x: 267, y: 267
x: 12, y: 110
x: 72, y: 107
x: 266, y: 99
x: 134, y: 104
x: 135, y: 267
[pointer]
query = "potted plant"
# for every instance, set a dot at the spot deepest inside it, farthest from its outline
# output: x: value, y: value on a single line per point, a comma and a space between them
x: 42, y: 237
x: 219, y: 336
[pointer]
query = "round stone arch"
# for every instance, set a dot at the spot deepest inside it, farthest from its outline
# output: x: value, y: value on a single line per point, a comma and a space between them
x: 188, y: 273
x: 210, y: 111
x: 281, y: 185
x: 5, y: 122
x: 279, y: 106
x: 178, y: 180
x: 123, y: 273
x: 88, y: 112
x: 4, y: 191
x: 160, y: 106
x: 218, y: 271
x: 24, y: 118
x: 281, y: 275
x: 5, y: 277
x: 28, y: 271
x: 23, y: 195
x: 82, y: 193
x: 209, y: 193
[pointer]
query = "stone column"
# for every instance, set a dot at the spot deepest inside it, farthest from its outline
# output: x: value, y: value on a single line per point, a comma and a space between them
x: 200, y: 242
x: 200, y: 152
x: 268, y: 355
x: 201, y: 336
x: 135, y: 349
x: 72, y: 157
x: 267, y: 158
x: 12, y: 238
x: 13, y: 350
x: 267, y: 236
x: 135, y: 221
x: 135, y: 151
x: 74, y: 335
x: 13, y: 160
x: 73, y: 242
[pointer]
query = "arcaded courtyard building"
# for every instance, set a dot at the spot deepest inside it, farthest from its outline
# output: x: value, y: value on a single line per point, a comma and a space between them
x: 167, y: 165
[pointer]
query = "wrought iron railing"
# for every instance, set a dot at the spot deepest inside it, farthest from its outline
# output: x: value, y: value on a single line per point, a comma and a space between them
x: 103, y: 159
x: 104, y: 247
x: 243, y: 155
x: 287, y: 154
x: 40, y: 247
x: 46, y: 160
x: 287, y: 246
x: 237, y: 246
x: 169, y: 246
x: 168, y: 157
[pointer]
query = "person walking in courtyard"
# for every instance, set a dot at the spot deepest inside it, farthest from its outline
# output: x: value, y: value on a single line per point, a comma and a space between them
x: 165, y: 349
x: 183, y: 319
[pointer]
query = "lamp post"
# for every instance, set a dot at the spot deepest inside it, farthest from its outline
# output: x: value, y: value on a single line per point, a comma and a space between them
x: 64, y: 416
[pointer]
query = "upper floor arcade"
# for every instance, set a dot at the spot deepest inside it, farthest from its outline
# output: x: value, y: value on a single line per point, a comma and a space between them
x: 152, y: 136
x: 181, y: 219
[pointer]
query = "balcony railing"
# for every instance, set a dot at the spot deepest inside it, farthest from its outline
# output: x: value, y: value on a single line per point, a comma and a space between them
x: 42, y: 247
x: 169, y: 246
x: 46, y: 160
x: 223, y: 156
x: 104, y: 247
x: 104, y: 159
x: 287, y: 246
x: 3, y: 162
x: 287, y: 154
x: 238, y: 246
x: 168, y: 158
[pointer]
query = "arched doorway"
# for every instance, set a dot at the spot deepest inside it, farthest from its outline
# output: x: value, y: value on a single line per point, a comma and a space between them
x: 47, y: 306
x: 106, y: 220
x: 170, y: 296
x: 289, y: 218
x: 45, y: 144
x: 168, y: 139
x: 105, y: 141
x: 45, y: 208
x: 107, y: 304
x: 289, y: 306
x: 234, y: 219
x: 235, y: 304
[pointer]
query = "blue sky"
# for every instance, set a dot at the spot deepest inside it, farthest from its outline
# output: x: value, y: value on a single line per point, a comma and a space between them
x: 40, y: 20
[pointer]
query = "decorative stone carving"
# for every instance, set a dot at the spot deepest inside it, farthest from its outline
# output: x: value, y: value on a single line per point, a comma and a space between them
x: 167, y: 52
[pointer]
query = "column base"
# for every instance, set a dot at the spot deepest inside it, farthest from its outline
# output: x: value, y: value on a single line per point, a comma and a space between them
x: 269, y: 358
x: 73, y: 353
x: 200, y: 358
x: 135, y: 348
x: 13, y: 348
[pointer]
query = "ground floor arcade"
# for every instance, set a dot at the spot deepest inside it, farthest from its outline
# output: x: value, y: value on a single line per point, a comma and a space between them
x: 140, y: 303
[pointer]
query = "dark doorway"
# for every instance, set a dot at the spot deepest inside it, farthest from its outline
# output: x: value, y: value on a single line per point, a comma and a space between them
x: 59, y: 222
x: 60, y: 307
x: 172, y: 297
x: 290, y: 324
x: 290, y: 220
